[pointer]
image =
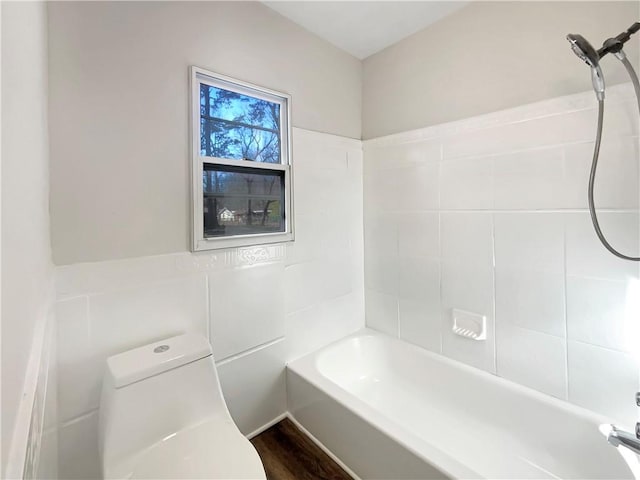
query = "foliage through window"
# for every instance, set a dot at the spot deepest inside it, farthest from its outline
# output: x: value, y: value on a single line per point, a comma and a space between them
x: 241, y: 164
x: 238, y: 126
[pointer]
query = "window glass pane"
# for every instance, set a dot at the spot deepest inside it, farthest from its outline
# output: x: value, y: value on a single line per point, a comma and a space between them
x: 224, y: 140
x: 242, y: 201
x: 238, y: 126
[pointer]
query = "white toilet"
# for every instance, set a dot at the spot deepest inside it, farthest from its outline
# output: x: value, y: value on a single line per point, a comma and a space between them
x: 162, y: 415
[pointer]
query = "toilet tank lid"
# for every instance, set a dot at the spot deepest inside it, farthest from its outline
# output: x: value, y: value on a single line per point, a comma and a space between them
x: 149, y: 360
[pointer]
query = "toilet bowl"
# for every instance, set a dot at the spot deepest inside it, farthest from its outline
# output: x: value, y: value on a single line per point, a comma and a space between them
x: 162, y: 415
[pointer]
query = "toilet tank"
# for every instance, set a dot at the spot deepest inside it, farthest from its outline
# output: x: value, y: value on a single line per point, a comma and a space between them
x: 154, y: 391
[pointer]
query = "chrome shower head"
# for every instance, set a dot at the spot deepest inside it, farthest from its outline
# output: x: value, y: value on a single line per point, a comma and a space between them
x: 583, y: 49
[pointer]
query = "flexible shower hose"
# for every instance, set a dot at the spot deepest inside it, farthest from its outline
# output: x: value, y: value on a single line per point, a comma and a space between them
x: 594, y: 165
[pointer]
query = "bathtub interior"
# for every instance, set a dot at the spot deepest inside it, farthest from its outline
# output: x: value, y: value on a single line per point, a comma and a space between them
x: 492, y: 426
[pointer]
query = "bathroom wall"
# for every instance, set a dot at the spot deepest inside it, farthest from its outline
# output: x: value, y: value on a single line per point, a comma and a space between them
x: 119, y: 109
x: 489, y: 56
x: 120, y: 196
x: 27, y: 271
x: 489, y: 215
x: 260, y: 306
x: 442, y: 204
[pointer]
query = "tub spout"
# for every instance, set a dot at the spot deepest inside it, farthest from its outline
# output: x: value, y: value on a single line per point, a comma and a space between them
x: 622, y: 438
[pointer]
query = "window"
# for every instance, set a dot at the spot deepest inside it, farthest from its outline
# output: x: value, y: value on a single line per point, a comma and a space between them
x: 241, y: 163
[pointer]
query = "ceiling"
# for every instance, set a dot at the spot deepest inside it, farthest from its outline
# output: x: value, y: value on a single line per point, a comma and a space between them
x: 363, y: 28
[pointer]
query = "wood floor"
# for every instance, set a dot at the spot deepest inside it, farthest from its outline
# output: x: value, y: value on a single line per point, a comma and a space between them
x: 288, y: 454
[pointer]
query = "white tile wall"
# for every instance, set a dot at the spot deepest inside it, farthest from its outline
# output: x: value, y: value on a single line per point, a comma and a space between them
x: 530, y: 281
x: 469, y: 288
x: 467, y: 283
x: 419, y: 321
x: 40, y: 461
x: 520, y: 347
x: 254, y: 386
x: 48, y: 462
x: 530, y: 180
x: 79, y: 367
x: 617, y: 184
x: 48, y: 465
x: 382, y: 312
x: 260, y: 306
x: 247, y: 308
x: 489, y: 214
x: 78, y: 456
x: 467, y: 184
x: 603, y: 380
x: 585, y: 255
x: 321, y: 324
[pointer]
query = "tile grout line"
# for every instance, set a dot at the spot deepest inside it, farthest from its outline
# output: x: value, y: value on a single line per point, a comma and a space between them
x: 493, y: 270
x: 493, y: 119
x: 396, y: 227
x: 208, y: 307
x: 78, y: 418
x: 505, y: 211
x: 565, y: 297
x: 500, y: 153
x: 493, y: 299
x: 441, y: 314
x: 249, y: 351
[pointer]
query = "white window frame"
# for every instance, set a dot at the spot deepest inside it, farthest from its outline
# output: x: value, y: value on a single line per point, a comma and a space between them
x: 199, y: 242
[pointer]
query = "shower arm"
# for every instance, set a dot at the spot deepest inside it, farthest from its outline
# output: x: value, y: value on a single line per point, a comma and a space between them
x: 614, y: 44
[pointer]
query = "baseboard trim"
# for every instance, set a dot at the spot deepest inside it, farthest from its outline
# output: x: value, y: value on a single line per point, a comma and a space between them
x: 266, y: 426
x: 322, y: 447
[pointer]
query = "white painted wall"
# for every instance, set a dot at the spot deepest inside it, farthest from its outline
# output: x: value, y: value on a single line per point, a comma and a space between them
x: 489, y: 215
x: 260, y: 306
x: 489, y: 56
x: 27, y: 271
x: 119, y: 110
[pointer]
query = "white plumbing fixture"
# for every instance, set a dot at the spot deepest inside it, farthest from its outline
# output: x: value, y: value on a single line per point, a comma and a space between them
x: 162, y: 415
x: 400, y: 411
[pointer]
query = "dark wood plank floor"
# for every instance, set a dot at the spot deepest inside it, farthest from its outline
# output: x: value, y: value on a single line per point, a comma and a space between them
x: 288, y: 454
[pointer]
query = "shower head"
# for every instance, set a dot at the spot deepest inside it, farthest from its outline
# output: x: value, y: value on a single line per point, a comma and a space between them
x: 583, y: 49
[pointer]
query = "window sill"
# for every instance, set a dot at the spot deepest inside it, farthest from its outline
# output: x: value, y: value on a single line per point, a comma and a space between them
x: 205, y: 244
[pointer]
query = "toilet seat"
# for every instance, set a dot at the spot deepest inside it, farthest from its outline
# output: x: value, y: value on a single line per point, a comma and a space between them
x: 214, y: 449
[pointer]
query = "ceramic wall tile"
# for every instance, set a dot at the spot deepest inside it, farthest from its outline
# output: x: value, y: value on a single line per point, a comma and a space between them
x: 512, y: 240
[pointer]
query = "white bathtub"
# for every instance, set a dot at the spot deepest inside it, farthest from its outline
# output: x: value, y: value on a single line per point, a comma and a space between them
x: 388, y: 409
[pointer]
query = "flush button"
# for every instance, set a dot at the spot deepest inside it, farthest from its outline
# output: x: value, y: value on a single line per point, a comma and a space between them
x: 638, y: 399
x: 161, y: 348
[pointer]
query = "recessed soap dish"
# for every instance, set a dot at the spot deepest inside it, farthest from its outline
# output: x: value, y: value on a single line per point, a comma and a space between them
x: 469, y: 324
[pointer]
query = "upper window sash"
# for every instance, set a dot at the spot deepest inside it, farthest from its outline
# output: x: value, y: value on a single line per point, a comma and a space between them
x: 201, y: 76
x: 227, y: 83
